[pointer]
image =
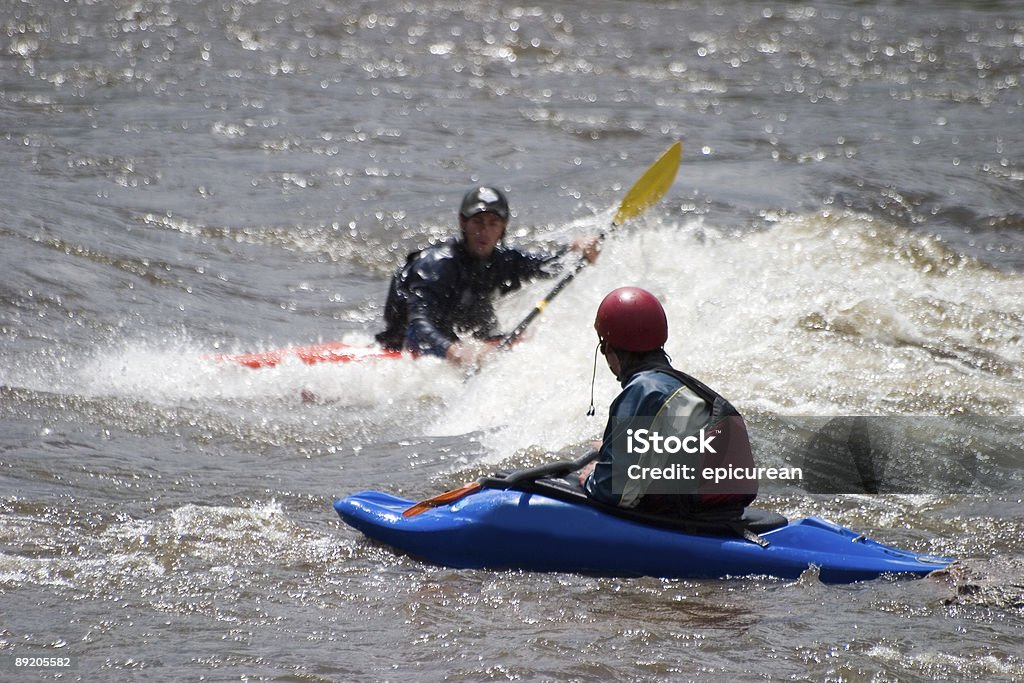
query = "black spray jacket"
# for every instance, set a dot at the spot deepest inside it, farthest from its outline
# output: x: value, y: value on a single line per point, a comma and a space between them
x: 443, y: 292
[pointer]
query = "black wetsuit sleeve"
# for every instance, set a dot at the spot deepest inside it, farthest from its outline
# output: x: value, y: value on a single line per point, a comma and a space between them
x: 431, y: 285
x: 530, y: 265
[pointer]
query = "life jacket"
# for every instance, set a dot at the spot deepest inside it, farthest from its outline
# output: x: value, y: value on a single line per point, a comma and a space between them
x: 728, y: 430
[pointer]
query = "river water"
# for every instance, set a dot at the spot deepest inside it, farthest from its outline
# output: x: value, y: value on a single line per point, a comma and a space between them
x: 184, y: 179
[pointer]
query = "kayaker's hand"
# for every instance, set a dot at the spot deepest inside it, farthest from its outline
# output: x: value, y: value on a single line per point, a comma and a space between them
x: 589, y: 247
x: 587, y: 470
x: 469, y: 354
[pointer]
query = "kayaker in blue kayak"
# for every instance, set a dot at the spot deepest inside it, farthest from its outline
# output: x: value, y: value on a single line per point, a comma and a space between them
x: 441, y: 302
x: 665, y: 429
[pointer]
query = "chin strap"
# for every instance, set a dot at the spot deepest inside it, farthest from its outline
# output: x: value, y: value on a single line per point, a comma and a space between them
x: 593, y: 379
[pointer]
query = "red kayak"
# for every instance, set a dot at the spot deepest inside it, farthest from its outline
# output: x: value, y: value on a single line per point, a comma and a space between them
x: 334, y: 352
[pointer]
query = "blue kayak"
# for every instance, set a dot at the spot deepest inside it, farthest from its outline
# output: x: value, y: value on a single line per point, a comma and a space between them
x: 516, y: 529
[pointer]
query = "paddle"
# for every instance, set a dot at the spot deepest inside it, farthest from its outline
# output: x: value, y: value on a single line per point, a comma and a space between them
x: 558, y: 468
x: 651, y: 187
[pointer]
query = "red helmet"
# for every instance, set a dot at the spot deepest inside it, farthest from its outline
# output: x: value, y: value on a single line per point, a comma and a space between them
x: 631, y: 319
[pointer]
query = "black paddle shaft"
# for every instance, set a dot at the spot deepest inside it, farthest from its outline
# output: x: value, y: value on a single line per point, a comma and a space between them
x: 558, y: 468
x: 512, y: 336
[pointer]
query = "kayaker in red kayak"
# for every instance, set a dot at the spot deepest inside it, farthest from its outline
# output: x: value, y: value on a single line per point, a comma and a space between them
x: 440, y: 302
x: 668, y: 435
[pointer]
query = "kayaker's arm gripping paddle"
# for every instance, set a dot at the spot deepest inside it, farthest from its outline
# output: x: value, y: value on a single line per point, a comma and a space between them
x: 552, y: 469
x: 646, y: 192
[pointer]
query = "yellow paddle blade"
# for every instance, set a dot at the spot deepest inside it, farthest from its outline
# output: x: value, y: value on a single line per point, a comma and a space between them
x: 442, y: 499
x: 652, y: 186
